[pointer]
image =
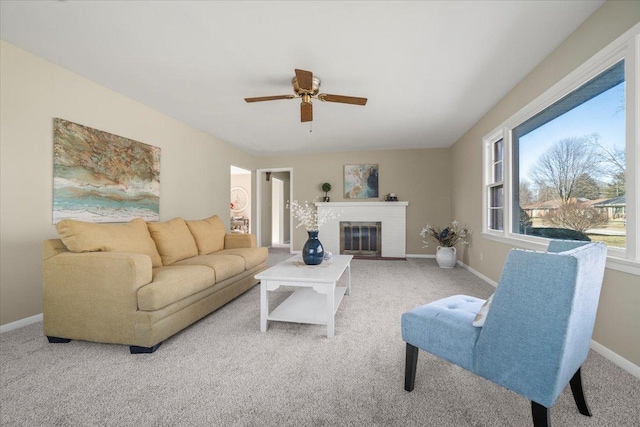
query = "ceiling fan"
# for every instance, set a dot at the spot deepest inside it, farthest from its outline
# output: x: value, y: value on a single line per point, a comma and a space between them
x: 306, y: 87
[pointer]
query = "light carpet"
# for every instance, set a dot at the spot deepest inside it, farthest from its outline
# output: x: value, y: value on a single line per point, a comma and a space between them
x: 222, y: 371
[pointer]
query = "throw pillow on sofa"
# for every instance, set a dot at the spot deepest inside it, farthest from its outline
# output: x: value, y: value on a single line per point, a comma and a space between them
x: 208, y: 233
x: 173, y: 240
x: 132, y: 237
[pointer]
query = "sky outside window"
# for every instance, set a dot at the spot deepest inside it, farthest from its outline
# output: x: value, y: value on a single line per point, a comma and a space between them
x: 603, y: 114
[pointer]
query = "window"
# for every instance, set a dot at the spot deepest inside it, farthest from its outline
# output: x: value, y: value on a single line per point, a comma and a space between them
x: 564, y: 166
x: 569, y: 167
x: 496, y: 187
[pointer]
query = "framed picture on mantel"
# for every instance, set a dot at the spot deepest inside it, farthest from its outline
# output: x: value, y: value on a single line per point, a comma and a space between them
x: 361, y: 181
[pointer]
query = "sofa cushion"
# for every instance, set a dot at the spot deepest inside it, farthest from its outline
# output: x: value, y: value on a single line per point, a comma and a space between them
x: 132, y: 237
x: 252, y: 256
x: 173, y: 239
x: 225, y: 266
x: 173, y: 283
x: 237, y: 241
x: 208, y: 233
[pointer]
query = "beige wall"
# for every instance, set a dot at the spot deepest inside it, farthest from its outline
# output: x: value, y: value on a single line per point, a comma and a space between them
x: 619, y: 313
x: 421, y: 177
x: 194, y: 170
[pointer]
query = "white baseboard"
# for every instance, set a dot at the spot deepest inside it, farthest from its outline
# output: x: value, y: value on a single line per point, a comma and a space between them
x: 612, y: 356
x: 477, y: 273
x: 616, y: 359
x: 419, y: 256
x: 20, y: 323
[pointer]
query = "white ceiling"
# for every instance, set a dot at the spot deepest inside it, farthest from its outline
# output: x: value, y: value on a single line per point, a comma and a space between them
x: 429, y: 69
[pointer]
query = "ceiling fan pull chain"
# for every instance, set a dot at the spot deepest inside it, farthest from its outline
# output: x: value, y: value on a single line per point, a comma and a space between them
x: 310, y: 129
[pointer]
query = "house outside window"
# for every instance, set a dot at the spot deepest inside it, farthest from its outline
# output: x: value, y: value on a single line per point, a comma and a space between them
x: 565, y: 166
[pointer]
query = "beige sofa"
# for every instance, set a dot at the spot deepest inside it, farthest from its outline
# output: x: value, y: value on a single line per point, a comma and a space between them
x: 139, y: 283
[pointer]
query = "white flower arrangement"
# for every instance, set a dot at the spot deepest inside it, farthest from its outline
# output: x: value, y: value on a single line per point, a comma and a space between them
x: 307, y: 215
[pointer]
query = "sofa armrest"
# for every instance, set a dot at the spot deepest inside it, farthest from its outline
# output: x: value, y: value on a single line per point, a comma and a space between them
x: 236, y: 241
x: 93, y: 296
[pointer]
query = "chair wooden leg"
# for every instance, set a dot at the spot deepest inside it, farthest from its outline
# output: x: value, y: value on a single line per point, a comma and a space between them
x: 541, y: 415
x: 410, y: 367
x: 578, y: 394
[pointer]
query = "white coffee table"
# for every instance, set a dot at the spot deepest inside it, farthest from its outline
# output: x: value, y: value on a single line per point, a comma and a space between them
x: 317, y: 296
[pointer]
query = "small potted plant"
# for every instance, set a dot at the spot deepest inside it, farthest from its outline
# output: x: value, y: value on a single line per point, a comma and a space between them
x: 326, y: 187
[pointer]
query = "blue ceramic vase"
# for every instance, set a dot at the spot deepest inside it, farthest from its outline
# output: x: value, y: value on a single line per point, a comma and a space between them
x: 312, y: 252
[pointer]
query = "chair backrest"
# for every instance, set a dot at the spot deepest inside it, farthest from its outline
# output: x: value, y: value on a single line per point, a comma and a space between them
x: 538, y: 330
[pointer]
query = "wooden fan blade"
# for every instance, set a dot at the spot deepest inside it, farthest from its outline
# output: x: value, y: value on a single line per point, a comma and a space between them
x: 342, y: 99
x: 306, y: 112
x: 269, y: 98
x: 305, y: 80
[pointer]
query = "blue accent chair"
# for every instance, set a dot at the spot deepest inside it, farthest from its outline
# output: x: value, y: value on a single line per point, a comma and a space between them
x: 536, y: 334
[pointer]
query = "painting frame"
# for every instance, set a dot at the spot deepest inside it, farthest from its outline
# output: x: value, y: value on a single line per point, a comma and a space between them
x: 361, y: 181
x: 102, y: 177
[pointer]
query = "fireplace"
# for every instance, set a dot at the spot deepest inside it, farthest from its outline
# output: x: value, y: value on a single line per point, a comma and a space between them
x: 361, y: 238
x: 391, y: 216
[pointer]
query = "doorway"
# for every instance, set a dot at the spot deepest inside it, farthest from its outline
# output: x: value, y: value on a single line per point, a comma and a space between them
x: 240, y: 200
x: 277, y: 212
x: 273, y: 220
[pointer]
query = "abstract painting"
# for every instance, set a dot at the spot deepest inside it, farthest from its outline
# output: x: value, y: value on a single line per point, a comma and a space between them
x: 101, y: 177
x: 360, y: 181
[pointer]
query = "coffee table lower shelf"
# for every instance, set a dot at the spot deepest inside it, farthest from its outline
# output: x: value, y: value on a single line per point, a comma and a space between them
x: 306, y: 306
x: 318, y: 293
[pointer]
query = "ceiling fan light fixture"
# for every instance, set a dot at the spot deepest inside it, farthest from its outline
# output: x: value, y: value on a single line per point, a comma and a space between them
x: 315, y: 87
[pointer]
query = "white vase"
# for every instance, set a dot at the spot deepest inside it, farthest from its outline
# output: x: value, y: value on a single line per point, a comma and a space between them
x: 446, y: 257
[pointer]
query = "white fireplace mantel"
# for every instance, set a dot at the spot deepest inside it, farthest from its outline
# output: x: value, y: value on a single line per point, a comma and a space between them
x: 392, y: 215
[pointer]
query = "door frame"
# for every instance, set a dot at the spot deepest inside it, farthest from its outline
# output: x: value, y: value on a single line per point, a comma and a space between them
x: 258, y: 221
x: 280, y: 210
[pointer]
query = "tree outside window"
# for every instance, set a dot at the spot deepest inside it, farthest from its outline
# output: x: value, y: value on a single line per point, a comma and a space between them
x: 569, y: 165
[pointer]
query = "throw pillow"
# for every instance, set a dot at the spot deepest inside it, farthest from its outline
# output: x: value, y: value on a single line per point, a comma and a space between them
x: 482, y: 314
x: 208, y: 233
x: 133, y: 237
x: 173, y: 239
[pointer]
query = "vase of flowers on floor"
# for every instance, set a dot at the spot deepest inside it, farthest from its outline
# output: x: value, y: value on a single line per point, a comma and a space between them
x: 446, y: 256
x: 307, y: 216
x: 447, y: 238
